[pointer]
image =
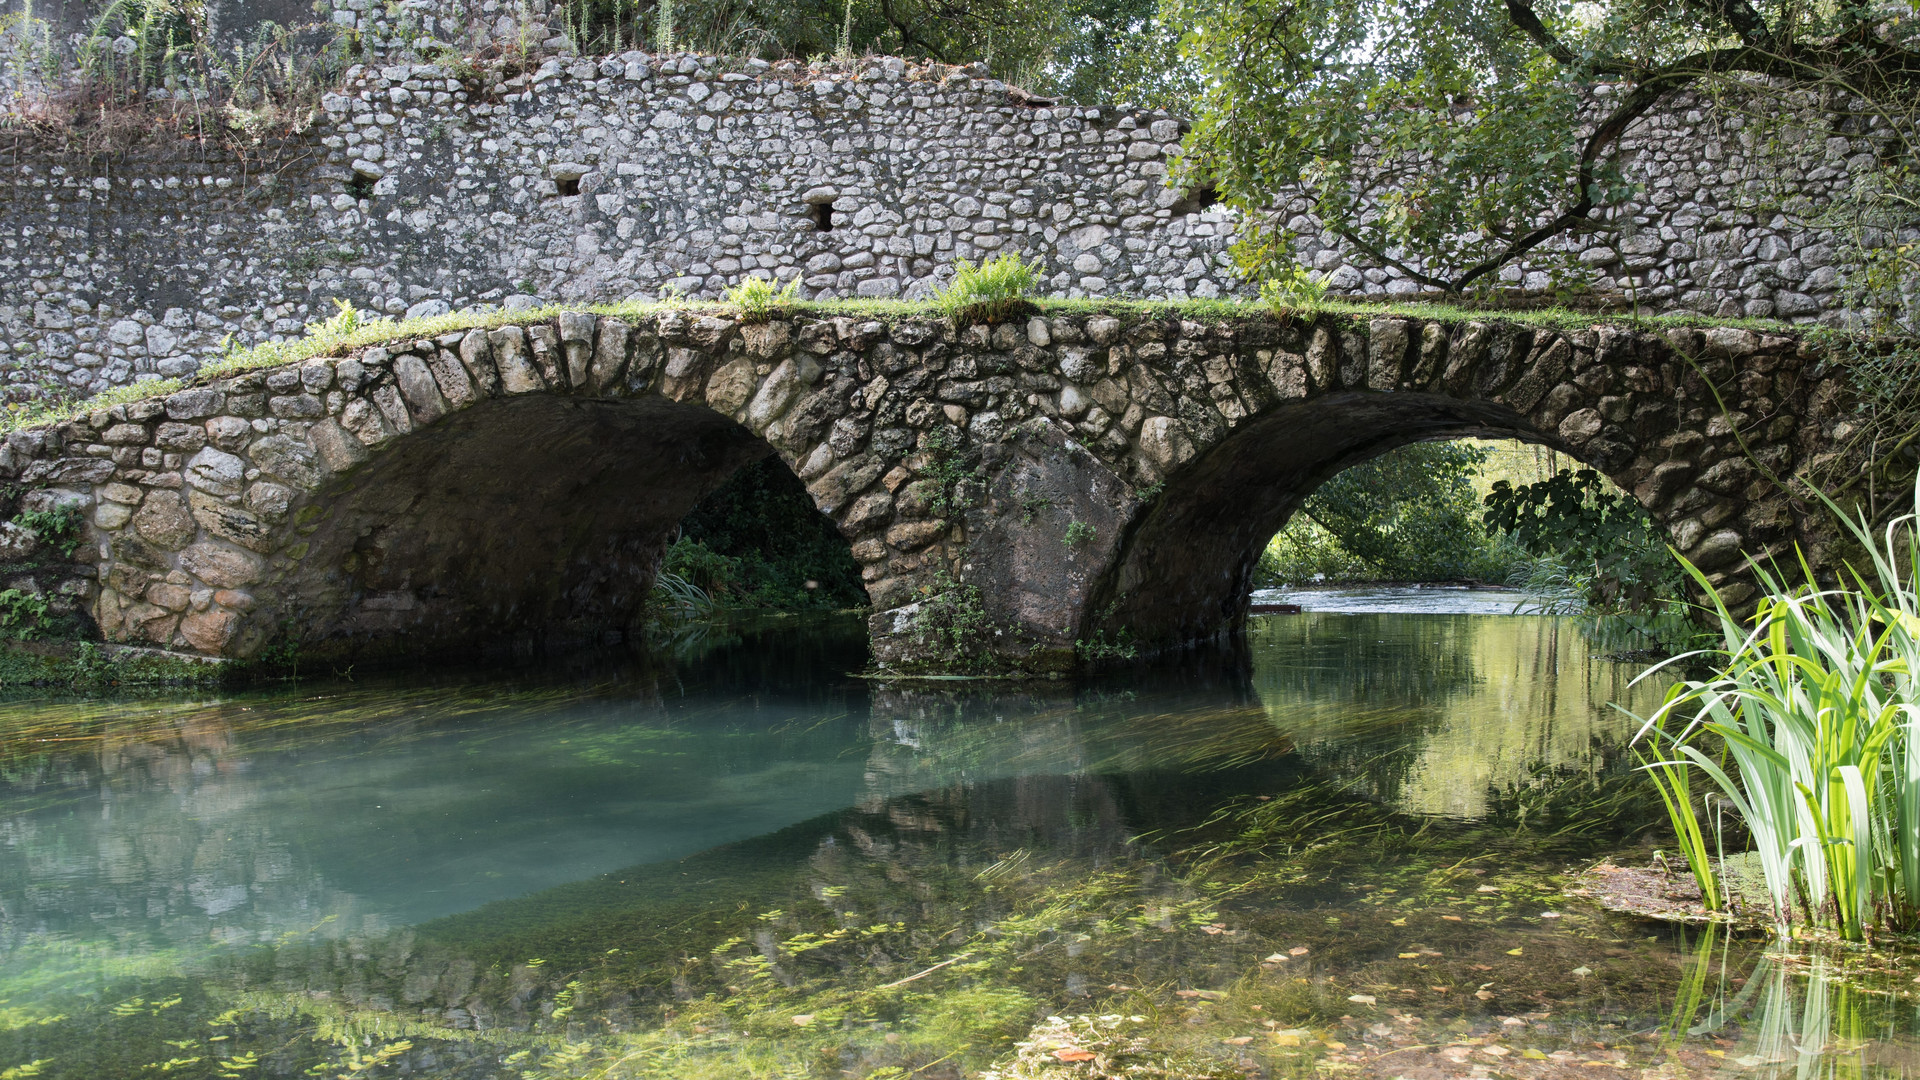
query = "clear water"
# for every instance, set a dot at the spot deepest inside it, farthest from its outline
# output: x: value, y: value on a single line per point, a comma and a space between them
x: 745, y: 862
x: 1399, y: 599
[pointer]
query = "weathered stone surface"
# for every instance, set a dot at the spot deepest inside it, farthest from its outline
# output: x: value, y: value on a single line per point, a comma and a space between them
x: 221, y: 566
x: 729, y: 388
x: 165, y: 520
x: 418, y: 387
x: 228, y: 522
x: 1117, y: 480
x: 216, y: 471
x: 210, y: 631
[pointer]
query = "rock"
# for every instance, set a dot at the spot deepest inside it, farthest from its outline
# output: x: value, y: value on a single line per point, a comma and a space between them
x: 216, y: 471
x: 419, y: 389
x: 1716, y: 550
x: 221, y: 566
x: 517, y: 372
x: 1165, y: 442
x: 732, y: 386
x: 210, y: 631
x: 231, y: 523
x: 289, y: 459
x: 195, y: 404
x: 165, y: 521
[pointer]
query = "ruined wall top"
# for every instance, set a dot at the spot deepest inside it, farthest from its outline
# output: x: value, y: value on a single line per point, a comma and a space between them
x: 424, y: 187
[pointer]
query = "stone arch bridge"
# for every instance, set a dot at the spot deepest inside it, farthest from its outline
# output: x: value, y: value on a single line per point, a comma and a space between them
x: 1056, y: 479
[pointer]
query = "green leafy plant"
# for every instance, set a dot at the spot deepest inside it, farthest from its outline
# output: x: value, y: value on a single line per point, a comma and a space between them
x: 1292, y: 289
x: 677, y: 597
x: 1100, y: 648
x: 1817, y: 701
x: 953, y: 620
x: 993, y: 290
x: 58, y: 528
x: 1612, y: 560
x: 1031, y: 505
x: 757, y: 299
x: 1078, y: 532
x: 1407, y: 515
x: 23, y: 615
x: 950, y: 470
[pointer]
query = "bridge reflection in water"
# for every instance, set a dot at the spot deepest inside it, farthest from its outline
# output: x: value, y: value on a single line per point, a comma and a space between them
x: 380, y: 805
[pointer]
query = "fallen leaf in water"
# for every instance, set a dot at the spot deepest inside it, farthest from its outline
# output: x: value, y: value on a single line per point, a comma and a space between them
x: 1203, y: 995
x: 1118, y: 986
x: 1298, y: 950
x: 1403, y: 922
x: 1364, y: 999
x: 1533, y: 1055
x: 1513, y: 952
x: 1442, y: 989
x: 803, y: 1019
x: 1409, y: 956
x: 1283, y: 1038
x: 1488, y: 888
x: 1583, y: 971
x: 1452, y: 918
x: 1333, y: 1044
x: 1496, y: 1051
x: 1276, y: 958
x: 1216, y: 929
x: 1483, y: 995
x: 1238, y: 1040
x: 1549, y: 914
x: 1073, y: 1053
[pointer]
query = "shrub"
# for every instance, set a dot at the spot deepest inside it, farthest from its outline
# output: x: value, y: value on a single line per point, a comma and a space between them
x: 757, y: 298
x: 1817, y: 703
x: 23, y: 615
x: 992, y: 290
x: 1292, y: 290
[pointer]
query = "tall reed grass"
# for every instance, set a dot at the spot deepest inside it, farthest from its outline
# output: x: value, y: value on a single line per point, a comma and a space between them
x: 1816, y: 705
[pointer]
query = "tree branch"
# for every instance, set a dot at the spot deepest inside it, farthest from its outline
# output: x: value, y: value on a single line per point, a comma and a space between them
x: 907, y: 36
x: 1746, y: 22
x: 1902, y: 71
x: 1528, y: 21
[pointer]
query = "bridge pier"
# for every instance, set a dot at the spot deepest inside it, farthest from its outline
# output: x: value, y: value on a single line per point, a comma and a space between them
x: 1031, y: 496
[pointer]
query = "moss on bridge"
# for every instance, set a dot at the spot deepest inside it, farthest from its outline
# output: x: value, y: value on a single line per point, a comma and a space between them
x: 341, y: 335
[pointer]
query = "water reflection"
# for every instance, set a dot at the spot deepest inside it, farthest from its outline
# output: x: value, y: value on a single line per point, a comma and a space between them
x: 1443, y: 714
x: 365, y: 807
x: 485, y: 867
x: 1796, y: 1010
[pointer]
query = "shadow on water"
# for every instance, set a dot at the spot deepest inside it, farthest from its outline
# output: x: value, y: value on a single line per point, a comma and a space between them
x: 1340, y: 855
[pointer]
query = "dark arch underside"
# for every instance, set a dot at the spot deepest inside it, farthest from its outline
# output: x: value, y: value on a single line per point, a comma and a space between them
x: 524, y: 519
x: 1184, y: 569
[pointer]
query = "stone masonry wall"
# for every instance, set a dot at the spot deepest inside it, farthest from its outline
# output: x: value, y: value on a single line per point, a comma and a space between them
x: 1065, y: 478
x: 595, y: 179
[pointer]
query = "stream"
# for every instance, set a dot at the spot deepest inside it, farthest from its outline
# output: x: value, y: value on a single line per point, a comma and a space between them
x: 1345, y: 852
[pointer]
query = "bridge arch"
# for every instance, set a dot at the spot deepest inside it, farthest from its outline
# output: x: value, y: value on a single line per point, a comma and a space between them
x: 1640, y: 409
x: 1013, y: 492
x: 1185, y: 573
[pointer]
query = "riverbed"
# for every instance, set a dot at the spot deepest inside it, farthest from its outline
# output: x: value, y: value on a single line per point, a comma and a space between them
x: 1341, y: 852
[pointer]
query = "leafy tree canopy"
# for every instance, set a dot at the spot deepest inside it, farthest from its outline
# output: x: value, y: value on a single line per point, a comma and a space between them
x: 1409, y: 514
x: 1091, y: 51
x: 1451, y: 137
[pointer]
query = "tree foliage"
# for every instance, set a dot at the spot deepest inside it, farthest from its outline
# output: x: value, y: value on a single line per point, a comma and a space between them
x: 1082, y: 50
x: 1611, y: 548
x: 1407, y: 515
x: 1449, y: 138
x: 759, y: 542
